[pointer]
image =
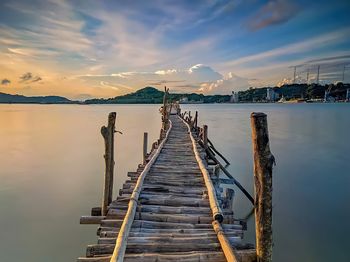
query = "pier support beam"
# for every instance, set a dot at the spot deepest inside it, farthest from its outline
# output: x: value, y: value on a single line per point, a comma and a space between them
x: 263, y: 162
x: 145, y: 143
x: 108, y: 135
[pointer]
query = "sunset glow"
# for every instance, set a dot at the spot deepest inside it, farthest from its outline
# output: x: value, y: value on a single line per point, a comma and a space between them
x: 84, y: 49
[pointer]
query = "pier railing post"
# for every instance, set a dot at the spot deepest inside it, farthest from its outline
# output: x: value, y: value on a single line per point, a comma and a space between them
x: 190, y: 122
x: 195, y: 121
x: 165, y: 117
x: 205, y: 136
x: 145, y: 143
x: 229, y: 193
x: 263, y: 162
x: 108, y: 135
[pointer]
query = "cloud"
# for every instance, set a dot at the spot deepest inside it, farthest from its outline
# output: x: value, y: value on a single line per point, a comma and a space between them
x: 163, y: 82
x: 31, y: 52
x: 191, y: 78
x: 37, y: 79
x: 203, y: 73
x: 274, y: 12
x: 115, y: 86
x: 28, y: 77
x: 226, y: 85
x: 5, y: 81
x: 331, y: 58
x: 277, y: 58
x: 289, y: 81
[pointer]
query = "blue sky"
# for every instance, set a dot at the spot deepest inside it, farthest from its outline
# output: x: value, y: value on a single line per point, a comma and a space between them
x: 103, y: 48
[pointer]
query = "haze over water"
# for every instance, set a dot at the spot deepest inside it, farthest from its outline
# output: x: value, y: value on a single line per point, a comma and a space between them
x: 51, y: 160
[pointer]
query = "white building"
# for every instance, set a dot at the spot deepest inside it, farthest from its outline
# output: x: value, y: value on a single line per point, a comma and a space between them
x: 184, y: 99
x: 234, y: 97
x: 271, y: 95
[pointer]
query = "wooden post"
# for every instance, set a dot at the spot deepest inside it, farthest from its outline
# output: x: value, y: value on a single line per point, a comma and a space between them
x: 108, y: 135
x: 217, y: 174
x: 145, y: 143
x: 263, y: 162
x: 205, y: 136
x: 196, y: 120
x: 190, y: 122
x: 164, y: 108
x: 229, y: 193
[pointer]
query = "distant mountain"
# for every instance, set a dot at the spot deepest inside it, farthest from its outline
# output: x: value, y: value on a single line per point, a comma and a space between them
x: 151, y: 95
x: 19, y: 99
x: 147, y: 95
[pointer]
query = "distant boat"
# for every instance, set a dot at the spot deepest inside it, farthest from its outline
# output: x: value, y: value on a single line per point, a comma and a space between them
x: 292, y: 101
x: 282, y: 100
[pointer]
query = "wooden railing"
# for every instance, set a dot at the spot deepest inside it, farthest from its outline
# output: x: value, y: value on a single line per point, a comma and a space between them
x: 201, y: 134
x: 263, y: 164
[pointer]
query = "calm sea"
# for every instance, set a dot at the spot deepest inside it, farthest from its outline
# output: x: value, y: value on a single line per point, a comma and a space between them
x: 51, y: 172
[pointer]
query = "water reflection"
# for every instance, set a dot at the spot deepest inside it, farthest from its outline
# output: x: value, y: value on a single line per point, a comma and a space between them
x: 52, y: 172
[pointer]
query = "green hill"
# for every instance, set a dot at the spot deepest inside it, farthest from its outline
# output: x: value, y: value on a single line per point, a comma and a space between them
x: 151, y: 95
x: 147, y: 95
x: 20, y: 99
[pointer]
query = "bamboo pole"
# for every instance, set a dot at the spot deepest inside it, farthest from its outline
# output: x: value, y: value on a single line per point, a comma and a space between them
x: 213, y: 201
x: 120, y: 246
x: 225, y: 244
x: 263, y: 162
x: 244, y: 191
x: 108, y: 135
x: 145, y: 143
x: 217, y: 152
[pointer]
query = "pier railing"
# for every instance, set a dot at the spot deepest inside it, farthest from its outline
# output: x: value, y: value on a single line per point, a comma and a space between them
x: 263, y: 163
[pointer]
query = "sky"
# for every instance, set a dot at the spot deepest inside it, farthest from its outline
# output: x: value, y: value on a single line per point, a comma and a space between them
x: 105, y: 48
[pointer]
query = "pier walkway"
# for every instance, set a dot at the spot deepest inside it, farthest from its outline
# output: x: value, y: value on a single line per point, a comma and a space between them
x: 173, y: 218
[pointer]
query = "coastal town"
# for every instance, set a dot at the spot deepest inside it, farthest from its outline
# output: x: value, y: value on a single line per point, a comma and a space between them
x: 294, y: 93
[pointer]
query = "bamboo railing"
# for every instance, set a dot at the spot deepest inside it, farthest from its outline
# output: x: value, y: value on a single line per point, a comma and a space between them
x: 201, y: 134
x: 120, y: 246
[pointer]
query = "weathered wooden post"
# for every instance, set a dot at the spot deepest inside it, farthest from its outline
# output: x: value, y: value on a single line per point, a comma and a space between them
x: 217, y: 174
x: 229, y: 193
x: 108, y: 135
x: 263, y: 162
x: 195, y: 121
x: 205, y: 136
x: 145, y: 143
x: 165, y: 108
x: 190, y: 120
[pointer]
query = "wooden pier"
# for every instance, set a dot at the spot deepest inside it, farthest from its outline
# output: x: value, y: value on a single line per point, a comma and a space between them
x: 173, y: 208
